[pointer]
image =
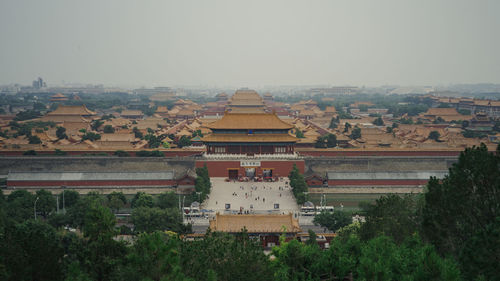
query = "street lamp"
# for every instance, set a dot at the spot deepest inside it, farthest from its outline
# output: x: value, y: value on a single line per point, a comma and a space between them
x: 199, y: 196
x: 35, y: 206
x: 64, y: 205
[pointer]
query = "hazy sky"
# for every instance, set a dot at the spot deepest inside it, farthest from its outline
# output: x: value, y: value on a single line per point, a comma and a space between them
x: 250, y: 43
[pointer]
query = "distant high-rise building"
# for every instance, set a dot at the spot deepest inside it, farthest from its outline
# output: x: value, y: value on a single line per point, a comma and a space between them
x: 39, y: 83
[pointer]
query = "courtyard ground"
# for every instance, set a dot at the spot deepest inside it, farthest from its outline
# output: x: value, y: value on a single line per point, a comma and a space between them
x: 252, y: 197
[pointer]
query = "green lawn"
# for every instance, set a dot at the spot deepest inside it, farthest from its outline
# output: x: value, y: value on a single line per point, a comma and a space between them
x: 349, y: 200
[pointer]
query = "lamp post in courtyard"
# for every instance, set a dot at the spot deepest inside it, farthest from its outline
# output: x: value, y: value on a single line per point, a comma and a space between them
x: 35, y: 206
x: 64, y: 205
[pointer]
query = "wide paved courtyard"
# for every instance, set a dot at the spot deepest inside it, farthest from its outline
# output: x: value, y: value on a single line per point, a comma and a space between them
x: 252, y: 197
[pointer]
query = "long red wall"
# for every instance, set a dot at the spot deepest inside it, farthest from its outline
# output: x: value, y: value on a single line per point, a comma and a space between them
x: 220, y: 168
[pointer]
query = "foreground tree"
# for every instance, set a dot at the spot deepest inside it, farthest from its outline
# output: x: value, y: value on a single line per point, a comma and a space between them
x: 153, y: 219
x: 167, y: 200
x: 298, y: 184
x: 462, y: 209
x: 154, y: 256
x: 31, y: 251
x: 393, y: 216
x: 102, y: 255
x: 225, y: 257
x: 333, y: 221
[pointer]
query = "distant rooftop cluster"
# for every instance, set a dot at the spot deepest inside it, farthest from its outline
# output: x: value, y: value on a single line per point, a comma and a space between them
x: 164, y: 121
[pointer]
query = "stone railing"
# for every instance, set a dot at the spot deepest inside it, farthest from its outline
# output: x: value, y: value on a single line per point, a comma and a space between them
x: 255, y: 156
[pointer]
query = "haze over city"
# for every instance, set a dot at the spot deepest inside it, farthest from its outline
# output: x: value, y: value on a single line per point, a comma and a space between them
x: 250, y: 43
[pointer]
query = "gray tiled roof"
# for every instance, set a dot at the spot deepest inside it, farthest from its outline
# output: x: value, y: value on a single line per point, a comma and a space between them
x: 83, y: 176
x: 409, y: 175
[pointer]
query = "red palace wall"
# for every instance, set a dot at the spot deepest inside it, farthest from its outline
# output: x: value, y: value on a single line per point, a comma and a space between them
x: 220, y: 168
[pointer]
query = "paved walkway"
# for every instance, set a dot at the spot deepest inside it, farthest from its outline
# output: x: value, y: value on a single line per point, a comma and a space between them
x: 254, y: 197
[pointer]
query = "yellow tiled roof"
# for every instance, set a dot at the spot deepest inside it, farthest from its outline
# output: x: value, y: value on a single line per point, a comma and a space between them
x: 255, y: 223
x: 249, y: 121
x: 249, y: 138
x: 71, y: 110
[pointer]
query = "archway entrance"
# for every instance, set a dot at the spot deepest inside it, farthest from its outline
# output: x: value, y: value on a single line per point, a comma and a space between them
x: 250, y: 172
x: 233, y: 173
x: 267, y: 173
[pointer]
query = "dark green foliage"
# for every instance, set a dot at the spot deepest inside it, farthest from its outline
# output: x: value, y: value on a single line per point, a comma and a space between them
x: 299, y: 134
x: 377, y: 259
x: 116, y: 200
x: 107, y: 117
x: 59, y: 152
x: 225, y: 256
x: 347, y: 127
x: 197, y: 133
x: 61, y: 133
x: 298, y: 184
x: 333, y: 123
x: 154, y: 141
x: 434, y: 135
x: 46, y: 203
x: 439, y: 120
x: 30, y: 152
x: 333, y: 221
x: 94, y: 125
x: 20, y: 206
x: 480, y: 254
x: 154, y: 256
x: 146, y: 219
x: 71, y: 197
x: 464, y: 111
x: 34, y: 140
x: 378, y: 122
x: 101, y: 254
x: 474, y: 134
x: 406, y: 121
x: 121, y: 153
x: 31, y: 251
x: 342, y: 114
x: 108, y: 129
x: 326, y: 141
x: 393, y: 216
x: 167, y: 200
x: 410, y: 109
x: 138, y: 134
x: 363, y: 108
x: 462, y: 209
x: 154, y: 153
x: 91, y: 136
x: 26, y: 115
x: 202, y: 183
x: 355, y: 133
x: 142, y: 199
x: 183, y: 141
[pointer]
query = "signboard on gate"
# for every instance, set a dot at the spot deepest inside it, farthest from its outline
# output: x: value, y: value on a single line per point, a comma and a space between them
x: 250, y: 163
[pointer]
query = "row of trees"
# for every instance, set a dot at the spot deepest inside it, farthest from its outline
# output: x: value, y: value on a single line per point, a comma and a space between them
x: 298, y: 184
x: 450, y: 232
x: 202, y: 184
